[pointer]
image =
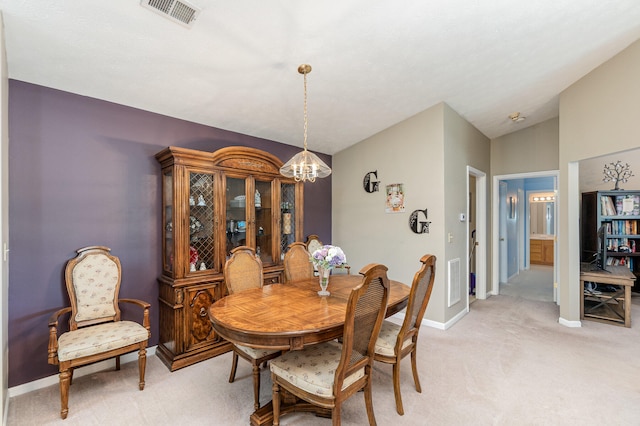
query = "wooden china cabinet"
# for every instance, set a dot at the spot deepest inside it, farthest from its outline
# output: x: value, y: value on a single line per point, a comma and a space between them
x: 211, y: 203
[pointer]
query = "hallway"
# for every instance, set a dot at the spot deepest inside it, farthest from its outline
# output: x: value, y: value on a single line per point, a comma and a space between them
x: 535, y: 283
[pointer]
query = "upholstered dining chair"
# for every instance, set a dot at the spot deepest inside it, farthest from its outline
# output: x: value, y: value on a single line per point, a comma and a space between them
x: 326, y: 374
x: 96, y: 331
x: 243, y: 271
x: 313, y: 243
x: 397, y: 341
x: 297, y: 265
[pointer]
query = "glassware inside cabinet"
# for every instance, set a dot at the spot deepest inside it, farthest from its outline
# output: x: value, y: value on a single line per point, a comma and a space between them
x: 201, y: 220
x: 263, y: 215
x: 236, y: 224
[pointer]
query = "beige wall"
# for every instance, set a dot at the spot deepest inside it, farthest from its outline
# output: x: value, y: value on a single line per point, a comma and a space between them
x: 410, y: 153
x: 598, y: 115
x: 463, y: 145
x: 532, y: 149
x: 422, y: 152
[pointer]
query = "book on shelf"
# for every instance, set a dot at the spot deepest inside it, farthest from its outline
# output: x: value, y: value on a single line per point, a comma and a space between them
x: 622, y: 227
x: 607, y: 207
x: 621, y: 261
x: 620, y: 205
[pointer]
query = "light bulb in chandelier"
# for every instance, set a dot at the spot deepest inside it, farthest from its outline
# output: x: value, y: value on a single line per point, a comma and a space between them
x: 305, y: 165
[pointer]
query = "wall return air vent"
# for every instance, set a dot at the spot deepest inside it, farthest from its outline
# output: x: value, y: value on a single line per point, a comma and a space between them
x: 178, y: 11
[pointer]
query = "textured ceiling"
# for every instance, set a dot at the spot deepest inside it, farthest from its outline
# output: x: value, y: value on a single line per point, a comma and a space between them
x: 375, y: 63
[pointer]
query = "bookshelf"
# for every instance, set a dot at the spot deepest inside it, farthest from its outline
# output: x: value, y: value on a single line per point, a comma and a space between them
x: 619, y: 211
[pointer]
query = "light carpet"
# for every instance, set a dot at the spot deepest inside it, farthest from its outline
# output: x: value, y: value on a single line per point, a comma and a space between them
x: 535, y: 283
x: 508, y: 362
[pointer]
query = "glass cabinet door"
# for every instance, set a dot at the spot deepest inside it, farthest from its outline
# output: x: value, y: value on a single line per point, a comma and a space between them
x: 167, y: 219
x: 287, y: 230
x: 236, y: 213
x: 201, y: 222
x: 263, y: 226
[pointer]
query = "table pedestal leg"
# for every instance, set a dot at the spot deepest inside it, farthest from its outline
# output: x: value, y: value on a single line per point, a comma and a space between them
x: 263, y: 416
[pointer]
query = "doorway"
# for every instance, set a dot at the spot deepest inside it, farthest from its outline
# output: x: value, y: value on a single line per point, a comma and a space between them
x: 511, y: 249
x: 476, y: 235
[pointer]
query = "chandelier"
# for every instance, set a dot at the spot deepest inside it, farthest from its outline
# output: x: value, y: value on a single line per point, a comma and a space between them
x: 305, y: 165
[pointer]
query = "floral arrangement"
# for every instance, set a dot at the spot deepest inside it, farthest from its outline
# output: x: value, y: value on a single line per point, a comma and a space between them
x: 328, y: 256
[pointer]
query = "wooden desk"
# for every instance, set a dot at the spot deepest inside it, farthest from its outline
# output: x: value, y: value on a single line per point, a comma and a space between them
x: 610, y: 307
x: 291, y: 316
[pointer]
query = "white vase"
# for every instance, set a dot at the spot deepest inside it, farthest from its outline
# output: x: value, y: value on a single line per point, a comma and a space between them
x: 323, y: 278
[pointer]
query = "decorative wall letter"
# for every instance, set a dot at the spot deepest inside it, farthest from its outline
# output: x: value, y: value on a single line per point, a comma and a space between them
x: 369, y: 184
x: 419, y: 226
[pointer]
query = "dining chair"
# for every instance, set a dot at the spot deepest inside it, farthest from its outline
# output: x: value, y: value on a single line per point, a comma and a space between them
x: 96, y: 331
x: 397, y: 341
x: 313, y: 243
x: 326, y: 374
x: 297, y: 265
x: 243, y: 271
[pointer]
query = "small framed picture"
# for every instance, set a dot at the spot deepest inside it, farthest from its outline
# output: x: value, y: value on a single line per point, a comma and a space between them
x: 395, y: 198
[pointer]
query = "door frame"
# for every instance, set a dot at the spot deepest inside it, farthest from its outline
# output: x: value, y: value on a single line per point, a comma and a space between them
x: 481, y: 233
x: 495, y: 223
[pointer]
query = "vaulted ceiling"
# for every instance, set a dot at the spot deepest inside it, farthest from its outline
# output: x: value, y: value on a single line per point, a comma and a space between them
x: 375, y: 63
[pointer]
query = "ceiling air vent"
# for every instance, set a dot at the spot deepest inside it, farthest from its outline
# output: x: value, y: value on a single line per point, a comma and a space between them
x: 177, y: 11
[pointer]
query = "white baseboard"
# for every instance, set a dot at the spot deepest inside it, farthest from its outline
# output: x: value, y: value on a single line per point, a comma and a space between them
x: 399, y: 317
x: 79, y: 372
x: 568, y: 323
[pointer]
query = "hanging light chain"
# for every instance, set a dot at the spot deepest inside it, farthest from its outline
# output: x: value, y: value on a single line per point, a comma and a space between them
x: 305, y: 109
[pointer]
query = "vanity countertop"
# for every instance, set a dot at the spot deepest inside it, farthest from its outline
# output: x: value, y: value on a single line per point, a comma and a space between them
x: 541, y: 236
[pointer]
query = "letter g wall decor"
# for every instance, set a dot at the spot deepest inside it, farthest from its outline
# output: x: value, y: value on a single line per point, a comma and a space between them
x: 416, y: 224
x: 369, y: 184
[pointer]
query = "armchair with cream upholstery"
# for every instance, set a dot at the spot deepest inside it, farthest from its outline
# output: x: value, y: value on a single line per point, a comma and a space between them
x: 345, y: 368
x: 313, y: 243
x: 297, y: 265
x: 397, y: 341
x: 96, y: 331
x: 243, y: 271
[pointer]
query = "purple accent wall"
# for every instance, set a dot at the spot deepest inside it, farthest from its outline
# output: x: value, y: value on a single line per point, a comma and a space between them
x: 82, y: 172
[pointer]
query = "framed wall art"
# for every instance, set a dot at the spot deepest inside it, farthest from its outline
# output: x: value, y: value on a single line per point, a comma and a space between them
x: 395, y: 198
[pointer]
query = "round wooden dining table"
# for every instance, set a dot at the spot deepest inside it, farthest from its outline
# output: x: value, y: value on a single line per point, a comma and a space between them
x: 293, y: 315
x: 290, y: 316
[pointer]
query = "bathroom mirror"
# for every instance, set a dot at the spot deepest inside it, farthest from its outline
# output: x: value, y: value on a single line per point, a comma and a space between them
x: 541, y: 217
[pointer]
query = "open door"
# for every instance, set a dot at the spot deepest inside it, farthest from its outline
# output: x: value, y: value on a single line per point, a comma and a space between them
x: 502, y: 237
x: 477, y: 234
